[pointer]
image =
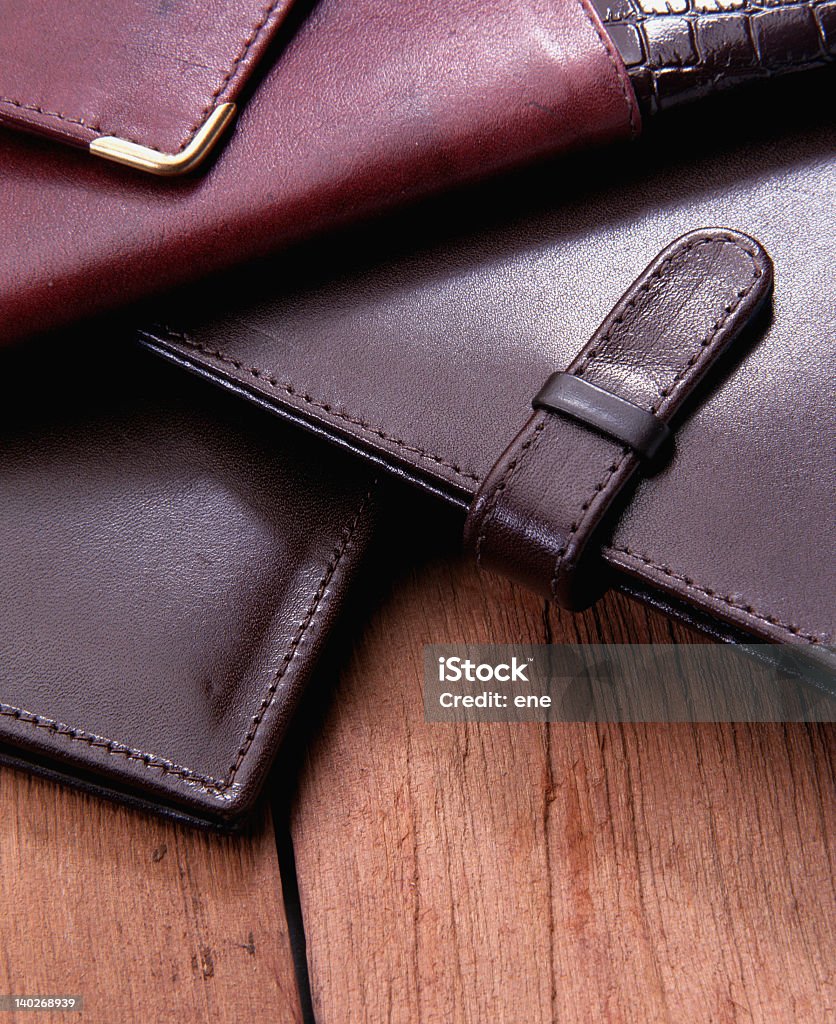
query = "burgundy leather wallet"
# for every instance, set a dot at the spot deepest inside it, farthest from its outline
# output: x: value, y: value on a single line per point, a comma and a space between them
x: 170, y: 568
x: 297, y: 117
x: 508, y: 364
x: 353, y: 107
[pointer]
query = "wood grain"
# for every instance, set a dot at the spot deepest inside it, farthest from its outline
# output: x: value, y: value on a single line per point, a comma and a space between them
x: 147, y: 920
x: 572, y: 873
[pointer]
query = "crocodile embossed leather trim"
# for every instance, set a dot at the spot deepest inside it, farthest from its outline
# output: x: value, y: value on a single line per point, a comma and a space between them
x: 679, y: 50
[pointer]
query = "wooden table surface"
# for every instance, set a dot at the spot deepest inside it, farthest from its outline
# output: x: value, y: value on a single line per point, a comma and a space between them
x: 425, y: 873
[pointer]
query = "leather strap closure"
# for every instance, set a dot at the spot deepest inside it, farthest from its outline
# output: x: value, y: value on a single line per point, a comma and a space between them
x: 592, y: 426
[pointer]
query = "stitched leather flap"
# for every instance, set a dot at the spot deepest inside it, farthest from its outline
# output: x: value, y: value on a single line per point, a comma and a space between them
x: 149, y: 72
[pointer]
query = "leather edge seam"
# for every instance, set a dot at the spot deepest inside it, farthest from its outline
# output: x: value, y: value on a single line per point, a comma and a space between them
x: 268, y: 378
x: 624, y: 83
x: 738, y: 605
x: 344, y: 545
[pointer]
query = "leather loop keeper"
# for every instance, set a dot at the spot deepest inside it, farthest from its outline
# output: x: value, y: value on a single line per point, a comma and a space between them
x: 616, y: 417
x: 549, y: 493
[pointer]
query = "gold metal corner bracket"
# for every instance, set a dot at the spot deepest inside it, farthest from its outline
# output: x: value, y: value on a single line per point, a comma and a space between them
x: 142, y: 158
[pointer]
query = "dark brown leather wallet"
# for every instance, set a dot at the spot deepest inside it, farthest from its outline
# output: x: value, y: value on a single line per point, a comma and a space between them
x: 170, y: 567
x: 460, y: 357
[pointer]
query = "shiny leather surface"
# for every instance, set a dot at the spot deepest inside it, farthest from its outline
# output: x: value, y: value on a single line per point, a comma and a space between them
x: 681, y: 50
x: 428, y: 355
x: 171, y: 563
x: 554, y: 486
x: 369, y: 104
x: 147, y: 72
